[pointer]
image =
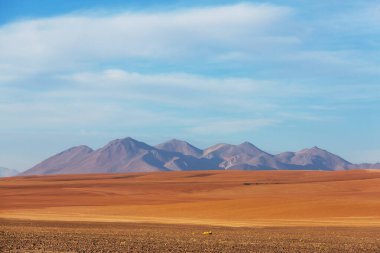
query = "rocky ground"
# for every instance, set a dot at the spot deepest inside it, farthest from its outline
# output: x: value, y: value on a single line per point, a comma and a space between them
x: 39, y: 236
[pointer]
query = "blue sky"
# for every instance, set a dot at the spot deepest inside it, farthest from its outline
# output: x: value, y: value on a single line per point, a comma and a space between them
x: 283, y: 75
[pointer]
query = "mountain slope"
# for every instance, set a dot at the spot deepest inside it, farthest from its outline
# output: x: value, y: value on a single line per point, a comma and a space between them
x: 61, y: 162
x: 118, y: 156
x: 227, y: 150
x: 244, y: 156
x: 314, y: 158
x: 179, y: 146
x: 122, y: 155
x: 129, y: 155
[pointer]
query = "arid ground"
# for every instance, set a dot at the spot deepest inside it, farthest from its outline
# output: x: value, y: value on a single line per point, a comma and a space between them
x: 257, y: 211
x: 52, y: 236
x: 235, y: 198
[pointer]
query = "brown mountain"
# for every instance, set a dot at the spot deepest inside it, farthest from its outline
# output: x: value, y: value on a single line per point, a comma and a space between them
x: 129, y: 155
x: 245, y: 156
x: 314, y: 158
x: 118, y: 156
x: 179, y: 146
x: 61, y: 162
x: 121, y: 155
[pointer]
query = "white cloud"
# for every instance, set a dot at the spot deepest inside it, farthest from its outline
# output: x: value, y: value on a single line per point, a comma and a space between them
x: 114, y: 78
x: 258, y: 34
x: 118, y: 98
x: 230, y: 69
x: 119, y: 84
x: 73, y: 41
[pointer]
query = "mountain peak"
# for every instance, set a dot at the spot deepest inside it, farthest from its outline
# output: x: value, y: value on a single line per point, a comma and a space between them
x: 319, y: 158
x: 314, y: 149
x: 228, y: 150
x: 176, y: 141
x: 129, y: 139
x: 128, y: 154
x: 249, y: 148
x: 179, y: 146
x: 247, y: 144
x: 129, y: 144
x: 125, y: 140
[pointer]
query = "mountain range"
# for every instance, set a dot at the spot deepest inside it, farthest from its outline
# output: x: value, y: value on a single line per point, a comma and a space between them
x: 130, y: 155
x: 5, y: 172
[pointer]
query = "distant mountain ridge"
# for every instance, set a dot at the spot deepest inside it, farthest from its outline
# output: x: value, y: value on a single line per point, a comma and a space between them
x: 5, y: 172
x: 130, y: 155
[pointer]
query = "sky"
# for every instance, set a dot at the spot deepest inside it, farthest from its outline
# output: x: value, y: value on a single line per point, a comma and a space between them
x: 284, y: 75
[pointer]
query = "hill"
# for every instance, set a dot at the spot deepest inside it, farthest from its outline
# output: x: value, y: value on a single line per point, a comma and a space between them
x: 130, y: 155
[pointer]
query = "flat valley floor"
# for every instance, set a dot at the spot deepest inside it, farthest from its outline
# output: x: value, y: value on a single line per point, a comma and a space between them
x: 247, y: 211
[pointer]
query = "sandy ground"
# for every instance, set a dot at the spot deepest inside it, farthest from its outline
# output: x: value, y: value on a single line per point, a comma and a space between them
x: 232, y: 198
x: 53, y: 236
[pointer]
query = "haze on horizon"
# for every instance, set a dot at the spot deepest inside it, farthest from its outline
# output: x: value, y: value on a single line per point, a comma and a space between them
x: 283, y: 75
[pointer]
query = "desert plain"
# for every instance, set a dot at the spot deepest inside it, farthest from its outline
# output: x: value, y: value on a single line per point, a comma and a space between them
x: 247, y: 211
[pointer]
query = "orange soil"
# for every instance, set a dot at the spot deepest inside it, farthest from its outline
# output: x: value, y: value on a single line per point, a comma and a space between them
x: 234, y: 198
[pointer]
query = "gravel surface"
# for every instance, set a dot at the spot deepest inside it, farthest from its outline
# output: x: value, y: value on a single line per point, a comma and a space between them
x: 41, y: 236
